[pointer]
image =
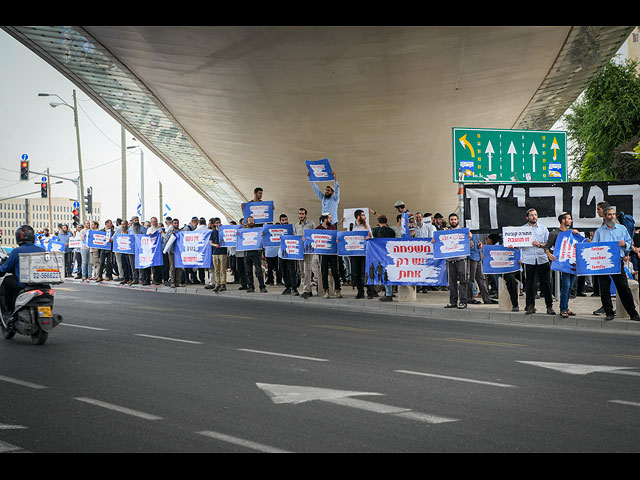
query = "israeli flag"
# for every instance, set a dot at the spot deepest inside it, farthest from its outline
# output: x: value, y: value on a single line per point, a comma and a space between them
x: 168, y: 209
x: 139, y: 207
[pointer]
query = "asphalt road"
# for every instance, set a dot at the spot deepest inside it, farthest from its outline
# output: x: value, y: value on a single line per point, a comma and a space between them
x: 135, y: 371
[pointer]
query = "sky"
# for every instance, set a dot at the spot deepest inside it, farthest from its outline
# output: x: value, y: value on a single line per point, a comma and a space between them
x: 29, y: 125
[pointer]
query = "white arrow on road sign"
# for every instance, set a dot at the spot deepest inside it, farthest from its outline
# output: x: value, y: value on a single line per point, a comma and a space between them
x: 298, y: 394
x: 489, y: 151
x: 533, y: 152
x: 578, y: 369
x: 512, y: 151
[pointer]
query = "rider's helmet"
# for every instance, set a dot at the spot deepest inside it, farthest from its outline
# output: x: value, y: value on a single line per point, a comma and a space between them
x: 25, y: 234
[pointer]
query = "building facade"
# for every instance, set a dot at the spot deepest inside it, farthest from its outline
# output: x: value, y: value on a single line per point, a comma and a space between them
x: 35, y: 212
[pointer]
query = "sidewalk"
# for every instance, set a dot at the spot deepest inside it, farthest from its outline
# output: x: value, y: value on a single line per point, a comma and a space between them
x: 426, y: 305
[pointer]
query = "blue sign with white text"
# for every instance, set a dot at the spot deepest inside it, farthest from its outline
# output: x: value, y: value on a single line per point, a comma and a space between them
x: 320, y: 242
x: 499, y: 259
x: 249, y: 239
x: 193, y: 249
x: 352, y: 243
x: 451, y: 243
x: 319, y: 170
x: 262, y: 212
x: 601, y: 258
x: 148, y: 250
x: 291, y: 247
x: 271, y: 234
x: 124, y: 243
x: 98, y: 239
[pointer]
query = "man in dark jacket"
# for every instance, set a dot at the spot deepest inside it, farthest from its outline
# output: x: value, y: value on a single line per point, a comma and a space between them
x: 385, y: 231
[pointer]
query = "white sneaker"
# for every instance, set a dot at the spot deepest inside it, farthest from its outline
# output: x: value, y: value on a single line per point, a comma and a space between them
x: 326, y: 294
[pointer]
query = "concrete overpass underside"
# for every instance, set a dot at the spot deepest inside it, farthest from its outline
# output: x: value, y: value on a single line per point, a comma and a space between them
x: 232, y: 108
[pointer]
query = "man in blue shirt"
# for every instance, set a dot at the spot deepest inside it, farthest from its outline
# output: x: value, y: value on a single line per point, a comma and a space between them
x: 611, y: 231
x: 476, y: 274
x: 329, y: 199
x: 25, y: 238
x: 64, y: 235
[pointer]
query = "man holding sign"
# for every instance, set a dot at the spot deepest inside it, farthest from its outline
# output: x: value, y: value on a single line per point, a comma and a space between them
x: 611, y: 231
x: 330, y: 198
x: 536, y: 265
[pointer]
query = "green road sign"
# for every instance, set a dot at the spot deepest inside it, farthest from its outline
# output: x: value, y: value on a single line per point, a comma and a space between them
x: 483, y: 155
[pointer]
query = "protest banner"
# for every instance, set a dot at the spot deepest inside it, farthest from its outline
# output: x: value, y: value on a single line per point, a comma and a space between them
x: 499, y: 259
x: 124, y: 243
x: 399, y: 261
x: 517, y: 236
x: 451, y: 244
x: 565, y: 252
x: 262, y: 212
x: 291, y: 247
x: 75, y: 243
x: 320, y: 242
x: 271, y: 234
x: 319, y: 170
x: 349, y: 216
x: 601, y: 258
x: 228, y: 235
x: 352, y: 243
x: 193, y: 249
x: 98, y: 239
x: 249, y: 239
x: 55, y: 245
x: 148, y: 250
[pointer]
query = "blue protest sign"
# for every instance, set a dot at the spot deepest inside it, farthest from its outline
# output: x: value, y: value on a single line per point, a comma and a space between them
x: 262, y: 212
x: 291, y: 247
x: 399, y: 261
x: 352, y: 243
x: 319, y: 170
x: 148, y: 250
x: 451, y: 243
x: 271, y: 234
x: 193, y: 249
x: 228, y: 235
x: 601, y: 258
x: 124, y: 243
x: 249, y: 239
x: 565, y: 252
x: 320, y: 242
x: 499, y: 259
x: 98, y: 239
x: 55, y: 246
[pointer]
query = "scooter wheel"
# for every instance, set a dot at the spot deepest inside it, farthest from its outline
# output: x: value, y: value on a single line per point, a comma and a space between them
x: 39, y: 338
x: 6, y: 333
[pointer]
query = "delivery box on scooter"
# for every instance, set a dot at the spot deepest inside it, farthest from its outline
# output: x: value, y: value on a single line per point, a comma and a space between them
x: 41, y: 267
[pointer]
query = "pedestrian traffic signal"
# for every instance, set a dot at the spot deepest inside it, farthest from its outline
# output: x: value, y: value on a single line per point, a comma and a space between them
x: 43, y: 190
x: 24, y: 170
x: 76, y: 217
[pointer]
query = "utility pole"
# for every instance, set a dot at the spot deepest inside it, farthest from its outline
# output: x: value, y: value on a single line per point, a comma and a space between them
x: 160, y: 197
x: 123, y: 143
x: 75, y: 117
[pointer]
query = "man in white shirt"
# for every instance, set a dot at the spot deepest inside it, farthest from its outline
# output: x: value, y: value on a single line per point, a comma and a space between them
x: 536, y: 265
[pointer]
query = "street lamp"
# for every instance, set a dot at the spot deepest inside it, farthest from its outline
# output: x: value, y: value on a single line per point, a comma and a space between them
x: 75, y: 118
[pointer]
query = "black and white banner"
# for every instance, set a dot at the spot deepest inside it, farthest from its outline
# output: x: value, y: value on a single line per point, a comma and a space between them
x: 490, y: 207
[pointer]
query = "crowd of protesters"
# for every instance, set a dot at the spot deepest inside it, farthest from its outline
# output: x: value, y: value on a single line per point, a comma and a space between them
x: 467, y: 284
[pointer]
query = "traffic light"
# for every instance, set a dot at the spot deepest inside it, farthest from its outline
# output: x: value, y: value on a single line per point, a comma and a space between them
x: 88, y: 200
x: 43, y: 190
x: 24, y: 170
x: 76, y: 217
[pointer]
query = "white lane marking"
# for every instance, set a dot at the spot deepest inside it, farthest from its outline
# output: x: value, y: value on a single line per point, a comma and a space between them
x: 458, y: 379
x: 118, y: 408
x: 7, y: 447
x: 82, y: 326
x: 168, y: 338
x: 5, y: 426
x: 624, y: 402
x: 243, y: 443
x: 580, y: 369
x: 21, y: 382
x: 283, y: 355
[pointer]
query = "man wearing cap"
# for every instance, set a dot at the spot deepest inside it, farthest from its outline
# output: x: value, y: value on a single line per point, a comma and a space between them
x: 329, y: 199
x: 411, y: 224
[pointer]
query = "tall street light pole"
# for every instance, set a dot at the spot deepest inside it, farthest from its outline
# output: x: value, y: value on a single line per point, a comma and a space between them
x: 83, y: 212
x: 141, y: 178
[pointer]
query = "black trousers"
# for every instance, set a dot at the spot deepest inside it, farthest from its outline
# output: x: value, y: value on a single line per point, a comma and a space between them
x: 105, y: 263
x: 289, y: 274
x: 458, y: 276
x: 541, y: 271
x: 358, y: 265
x: 253, y: 259
x: 510, y: 280
x: 622, y: 290
x: 10, y: 290
x: 327, y: 261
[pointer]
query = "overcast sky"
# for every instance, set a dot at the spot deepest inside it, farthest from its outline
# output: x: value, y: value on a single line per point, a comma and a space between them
x: 47, y: 135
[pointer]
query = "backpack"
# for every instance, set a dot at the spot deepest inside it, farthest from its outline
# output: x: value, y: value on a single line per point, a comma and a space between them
x: 628, y: 221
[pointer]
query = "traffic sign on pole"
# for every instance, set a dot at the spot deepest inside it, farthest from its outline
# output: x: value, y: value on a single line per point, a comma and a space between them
x: 483, y: 155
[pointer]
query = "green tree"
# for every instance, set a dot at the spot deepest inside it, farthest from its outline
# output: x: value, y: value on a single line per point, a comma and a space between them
x: 603, y: 123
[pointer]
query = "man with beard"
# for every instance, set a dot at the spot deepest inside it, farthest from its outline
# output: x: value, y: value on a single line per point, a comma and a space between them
x: 567, y: 280
x: 458, y: 274
x: 611, y: 231
x: 536, y: 265
x: 329, y: 199
x: 253, y: 259
x: 135, y: 228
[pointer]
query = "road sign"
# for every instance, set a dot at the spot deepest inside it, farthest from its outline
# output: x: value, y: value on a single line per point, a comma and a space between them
x: 483, y: 155
x: 76, y: 204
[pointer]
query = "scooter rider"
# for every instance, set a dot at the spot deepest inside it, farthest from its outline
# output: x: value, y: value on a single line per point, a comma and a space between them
x: 25, y: 238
